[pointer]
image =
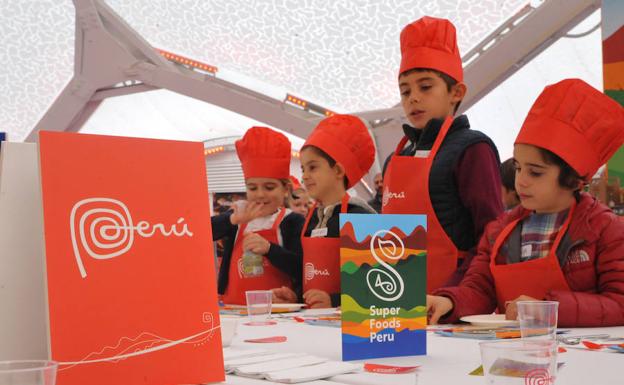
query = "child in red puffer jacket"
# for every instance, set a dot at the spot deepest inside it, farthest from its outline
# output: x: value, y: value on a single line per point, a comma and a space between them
x: 560, y: 244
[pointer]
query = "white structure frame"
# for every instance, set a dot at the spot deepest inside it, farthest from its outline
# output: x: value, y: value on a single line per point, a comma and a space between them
x: 112, y: 59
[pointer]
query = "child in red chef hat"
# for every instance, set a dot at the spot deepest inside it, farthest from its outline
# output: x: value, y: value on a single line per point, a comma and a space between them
x: 560, y: 244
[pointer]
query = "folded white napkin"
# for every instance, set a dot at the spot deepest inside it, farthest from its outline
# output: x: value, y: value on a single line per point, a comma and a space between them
x: 231, y: 365
x: 238, y: 380
x: 230, y: 353
x: 260, y: 370
x: 313, y: 372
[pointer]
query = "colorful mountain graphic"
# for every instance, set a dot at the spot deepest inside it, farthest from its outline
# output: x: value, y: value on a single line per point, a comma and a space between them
x: 417, y: 239
x: 613, y: 69
x: 383, y: 289
x: 612, y: 51
x: 355, y: 254
x: 613, y: 66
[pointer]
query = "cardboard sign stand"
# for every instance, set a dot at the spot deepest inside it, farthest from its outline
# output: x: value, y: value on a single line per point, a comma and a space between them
x: 106, y: 261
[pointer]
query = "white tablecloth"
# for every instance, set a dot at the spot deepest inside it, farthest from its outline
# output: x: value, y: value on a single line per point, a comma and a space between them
x: 448, y: 360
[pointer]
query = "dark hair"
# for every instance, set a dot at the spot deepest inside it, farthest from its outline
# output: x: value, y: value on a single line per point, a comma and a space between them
x: 328, y: 158
x: 294, y: 195
x: 508, y: 174
x: 449, y: 81
x: 568, y: 177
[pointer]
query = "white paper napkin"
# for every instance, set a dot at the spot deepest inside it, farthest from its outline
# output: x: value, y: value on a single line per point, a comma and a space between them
x: 313, y: 372
x: 234, y: 353
x: 231, y: 365
x: 260, y: 370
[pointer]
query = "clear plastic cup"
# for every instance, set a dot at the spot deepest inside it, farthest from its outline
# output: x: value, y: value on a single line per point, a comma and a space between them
x: 538, y: 319
x: 35, y: 372
x: 519, y: 362
x: 259, y: 304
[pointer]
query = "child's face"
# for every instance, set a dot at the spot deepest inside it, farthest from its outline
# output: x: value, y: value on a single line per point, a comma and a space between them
x: 268, y: 191
x: 537, y: 182
x: 424, y: 96
x: 319, y: 178
x: 300, y: 205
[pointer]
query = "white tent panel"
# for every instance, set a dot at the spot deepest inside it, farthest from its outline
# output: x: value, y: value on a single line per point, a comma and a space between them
x: 37, y: 55
x: 341, y: 55
x: 163, y: 114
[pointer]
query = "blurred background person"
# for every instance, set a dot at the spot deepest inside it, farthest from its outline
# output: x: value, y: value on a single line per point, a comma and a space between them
x: 375, y: 203
x: 508, y: 188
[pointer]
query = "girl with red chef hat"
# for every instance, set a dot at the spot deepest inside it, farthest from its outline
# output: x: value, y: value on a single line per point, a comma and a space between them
x: 441, y: 167
x: 560, y: 244
x: 263, y: 246
x: 337, y: 154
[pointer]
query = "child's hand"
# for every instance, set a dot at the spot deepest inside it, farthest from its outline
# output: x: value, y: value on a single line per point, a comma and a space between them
x: 511, y: 307
x: 245, y: 213
x: 437, y: 307
x: 317, y: 299
x: 284, y: 295
x: 256, y: 243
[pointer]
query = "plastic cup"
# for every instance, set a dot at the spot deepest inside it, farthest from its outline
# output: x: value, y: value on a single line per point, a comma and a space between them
x: 259, y: 304
x: 228, y: 329
x: 519, y: 362
x: 538, y: 319
x: 35, y: 372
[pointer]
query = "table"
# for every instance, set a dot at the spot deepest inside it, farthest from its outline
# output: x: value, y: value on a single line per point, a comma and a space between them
x: 448, y: 360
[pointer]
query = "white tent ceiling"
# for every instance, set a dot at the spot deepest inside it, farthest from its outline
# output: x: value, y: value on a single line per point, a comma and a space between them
x: 342, y: 55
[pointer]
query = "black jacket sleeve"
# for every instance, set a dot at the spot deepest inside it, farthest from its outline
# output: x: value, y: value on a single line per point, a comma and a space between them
x: 289, y: 258
x: 221, y: 226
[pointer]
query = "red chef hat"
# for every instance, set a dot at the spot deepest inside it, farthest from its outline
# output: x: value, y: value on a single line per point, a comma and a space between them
x: 264, y: 153
x: 430, y: 42
x: 346, y: 139
x: 580, y: 124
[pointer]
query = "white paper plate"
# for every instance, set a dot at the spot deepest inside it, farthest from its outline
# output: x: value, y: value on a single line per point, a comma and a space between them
x: 494, y: 320
x: 287, y: 305
x: 276, y: 307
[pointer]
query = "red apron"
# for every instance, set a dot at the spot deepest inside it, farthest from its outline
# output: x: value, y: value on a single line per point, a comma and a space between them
x: 321, y: 258
x: 406, y: 191
x: 534, y: 278
x: 270, y: 278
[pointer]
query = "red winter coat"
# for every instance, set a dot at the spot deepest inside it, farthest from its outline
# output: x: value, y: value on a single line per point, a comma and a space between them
x: 593, y: 266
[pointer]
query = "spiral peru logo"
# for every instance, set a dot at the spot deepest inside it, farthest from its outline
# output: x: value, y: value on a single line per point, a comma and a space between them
x: 385, y: 282
x: 103, y: 228
x: 538, y: 377
x: 310, y: 271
